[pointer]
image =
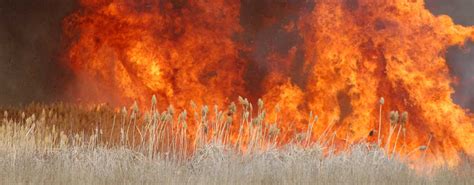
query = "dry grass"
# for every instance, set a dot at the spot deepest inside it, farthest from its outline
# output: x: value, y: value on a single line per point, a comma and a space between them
x: 67, y: 144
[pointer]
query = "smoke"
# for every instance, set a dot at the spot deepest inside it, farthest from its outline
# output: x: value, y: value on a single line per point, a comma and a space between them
x: 269, y: 29
x: 459, y: 10
x: 460, y: 60
x: 30, y: 33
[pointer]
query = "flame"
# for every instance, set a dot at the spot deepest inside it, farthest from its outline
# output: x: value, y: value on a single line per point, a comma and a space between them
x: 178, y: 50
x: 393, y: 49
x: 355, y: 51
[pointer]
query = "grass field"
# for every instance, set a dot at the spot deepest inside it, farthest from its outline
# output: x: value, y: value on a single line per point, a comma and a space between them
x: 66, y: 144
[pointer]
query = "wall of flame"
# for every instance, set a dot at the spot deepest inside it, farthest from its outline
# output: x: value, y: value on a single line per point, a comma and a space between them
x: 345, y: 55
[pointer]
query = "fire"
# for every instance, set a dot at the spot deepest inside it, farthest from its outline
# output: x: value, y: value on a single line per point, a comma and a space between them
x: 355, y: 51
x: 178, y: 50
x: 393, y: 49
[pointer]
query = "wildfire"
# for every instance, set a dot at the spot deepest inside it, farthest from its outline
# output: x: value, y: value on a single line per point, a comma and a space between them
x: 178, y: 50
x: 355, y: 51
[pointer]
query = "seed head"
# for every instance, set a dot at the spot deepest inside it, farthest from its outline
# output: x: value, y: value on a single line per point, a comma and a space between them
x: 182, y: 116
x: 193, y: 105
x: 228, y: 121
x: 244, y: 102
x: 255, y: 122
x: 382, y: 101
x: 216, y: 109
x: 147, y: 117
x: 169, y: 117
x: 153, y: 100
x: 204, y: 110
x: 316, y: 118
x: 260, y: 104
x: 273, y: 130
x: 241, y: 100
x: 394, y: 116
x: 232, y: 108
x: 205, y: 128
x: 171, y: 110
x: 246, y: 115
x: 156, y: 115
x: 163, y: 116
x: 135, y: 107
x: 277, y: 108
x: 300, y: 137
x: 262, y: 115
x: 404, y: 118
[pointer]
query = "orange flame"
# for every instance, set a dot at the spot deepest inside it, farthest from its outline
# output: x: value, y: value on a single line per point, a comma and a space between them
x: 176, y: 50
x: 355, y: 51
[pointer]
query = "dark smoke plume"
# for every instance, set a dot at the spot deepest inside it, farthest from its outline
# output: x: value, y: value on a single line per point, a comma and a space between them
x: 30, y: 33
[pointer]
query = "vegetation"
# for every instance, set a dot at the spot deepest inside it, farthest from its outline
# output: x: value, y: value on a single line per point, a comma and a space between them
x: 68, y: 144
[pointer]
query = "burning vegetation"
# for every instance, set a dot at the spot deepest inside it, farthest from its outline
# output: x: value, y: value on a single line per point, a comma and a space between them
x: 345, y: 56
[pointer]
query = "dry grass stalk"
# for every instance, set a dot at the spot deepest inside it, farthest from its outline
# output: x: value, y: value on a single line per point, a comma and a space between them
x: 164, y: 136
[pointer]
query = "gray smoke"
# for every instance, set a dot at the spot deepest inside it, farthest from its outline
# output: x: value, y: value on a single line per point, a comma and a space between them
x: 460, y: 10
x: 460, y: 60
x: 30, y: 32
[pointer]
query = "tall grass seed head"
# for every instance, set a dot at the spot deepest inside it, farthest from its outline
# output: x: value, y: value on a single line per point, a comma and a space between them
x: 124, y: 111
x: 423, y: 147
x: 241, y: 100
x: 171, y: 110
x: 273, y: 130
x: 394, y: 116
x: 193, y: 105
x: 255, y: 122
x: 205, y: 110
x: 404, y: 118
x: 148, y: 117
x: 229, y: 121
x: 382, y: 101
x: 246, y: 115
x: 300, y: 137
x: 153, y: 100
x: 216, y: 108
x: 260, y: 104
x: 182, y: 116
x: 163, y: 116
x: 135, y: 107
x: 277, y: 108
x: 316, y: 118
x: 232, y: 108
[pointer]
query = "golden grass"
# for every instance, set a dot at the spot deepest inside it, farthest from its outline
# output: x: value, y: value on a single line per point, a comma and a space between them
x: 61, y: 143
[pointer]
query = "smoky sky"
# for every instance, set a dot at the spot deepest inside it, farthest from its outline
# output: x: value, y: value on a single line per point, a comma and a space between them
x: 30, y: 33
x: 460, y: 59
x: 30, y: 45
